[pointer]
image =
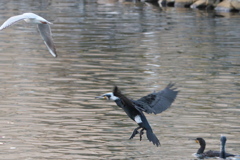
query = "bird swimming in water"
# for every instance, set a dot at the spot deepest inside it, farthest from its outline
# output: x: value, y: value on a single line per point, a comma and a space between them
x: 223, y: 154
x: 43, y: 27
x: 223, y: 140
x: 156, y: 102
x: 201, y: 154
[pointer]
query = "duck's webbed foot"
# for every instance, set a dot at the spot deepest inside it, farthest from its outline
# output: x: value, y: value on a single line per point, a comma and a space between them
x: 135, y: 131
x: 141, y: 133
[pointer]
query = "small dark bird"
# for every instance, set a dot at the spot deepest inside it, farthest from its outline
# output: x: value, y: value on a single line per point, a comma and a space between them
x: 223, y: 140
x: 201, y: 154
x: 156, y: 102
x: 223, y: 154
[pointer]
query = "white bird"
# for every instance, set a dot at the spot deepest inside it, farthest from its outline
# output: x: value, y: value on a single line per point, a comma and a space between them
x: 43, y: 27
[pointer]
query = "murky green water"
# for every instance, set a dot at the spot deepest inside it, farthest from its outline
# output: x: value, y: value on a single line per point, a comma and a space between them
x: 48, y: 110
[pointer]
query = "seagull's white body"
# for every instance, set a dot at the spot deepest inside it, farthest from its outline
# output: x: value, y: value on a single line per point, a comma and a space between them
x: 43, y: 27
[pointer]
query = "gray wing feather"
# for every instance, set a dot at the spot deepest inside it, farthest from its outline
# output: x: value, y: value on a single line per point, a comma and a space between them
x: 46, y: 34
x: 157, y: 102
x: 11, y: 21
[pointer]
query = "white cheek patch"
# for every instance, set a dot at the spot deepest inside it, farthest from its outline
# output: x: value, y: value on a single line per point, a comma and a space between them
x: 138, y: 119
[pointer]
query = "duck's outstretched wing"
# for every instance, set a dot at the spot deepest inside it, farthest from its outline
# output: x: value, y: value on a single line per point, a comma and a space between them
x: 157, y: 102
x: 46, y: 34
x: 11, y: 21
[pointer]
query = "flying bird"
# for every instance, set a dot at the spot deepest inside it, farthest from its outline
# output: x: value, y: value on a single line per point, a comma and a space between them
x: 156, y: 102
x: 201, y: 154
x: 43, y: 27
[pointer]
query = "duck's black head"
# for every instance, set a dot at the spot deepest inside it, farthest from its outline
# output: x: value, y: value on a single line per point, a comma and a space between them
x: 223, y: 140
x: 107, y: 96
x: 111, y: 95
x: 202, y: 143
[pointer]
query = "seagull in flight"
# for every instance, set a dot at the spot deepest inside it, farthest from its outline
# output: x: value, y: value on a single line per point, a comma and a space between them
x: 43, y: 27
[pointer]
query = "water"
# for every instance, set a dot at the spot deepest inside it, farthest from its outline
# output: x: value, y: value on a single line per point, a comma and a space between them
x: 48, y: 110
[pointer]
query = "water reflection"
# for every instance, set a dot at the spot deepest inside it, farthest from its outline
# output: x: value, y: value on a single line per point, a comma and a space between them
x: 48, y: 110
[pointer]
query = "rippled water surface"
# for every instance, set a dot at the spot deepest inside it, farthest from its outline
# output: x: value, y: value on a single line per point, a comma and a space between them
x: 48, y: 110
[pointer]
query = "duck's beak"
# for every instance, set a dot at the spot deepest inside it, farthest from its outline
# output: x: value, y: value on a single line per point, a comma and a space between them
x: 101, y: 97
x: 194, y: 140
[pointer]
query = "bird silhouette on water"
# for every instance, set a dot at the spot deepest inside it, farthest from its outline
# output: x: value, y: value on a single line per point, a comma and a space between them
x: 156, y: 102
x: 222, y: 154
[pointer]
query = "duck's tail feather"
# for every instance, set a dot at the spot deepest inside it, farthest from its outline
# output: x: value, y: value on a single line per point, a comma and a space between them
x: 152, y: 138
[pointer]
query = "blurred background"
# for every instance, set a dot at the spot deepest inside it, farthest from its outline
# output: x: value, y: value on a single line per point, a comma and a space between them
x: 47, y: 105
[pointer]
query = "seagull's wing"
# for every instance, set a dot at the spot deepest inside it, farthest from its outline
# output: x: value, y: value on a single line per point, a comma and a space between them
x: 46, y: 34
x: 12, y: 20
x: 157, y: 102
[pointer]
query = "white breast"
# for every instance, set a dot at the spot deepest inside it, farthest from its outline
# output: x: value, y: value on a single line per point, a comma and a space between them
x: 138, y: 119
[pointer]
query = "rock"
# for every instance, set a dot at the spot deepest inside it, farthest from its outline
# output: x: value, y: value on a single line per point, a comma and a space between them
x: 236, y: 4
x: 203, y: 4
x: 224, y: 6
x: 228, y: 6
x: 184, y: 3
